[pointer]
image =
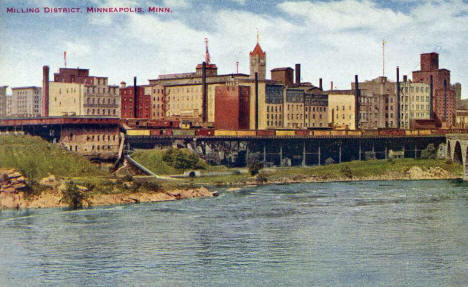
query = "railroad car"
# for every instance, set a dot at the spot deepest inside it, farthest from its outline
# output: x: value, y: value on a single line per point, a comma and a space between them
x: 282, y: 133
x: 180, y: 132
x: 246, y: 133
x: 265, y: 133
x: 321, y: 133
x: 138, y: 132
x: 224, y: 133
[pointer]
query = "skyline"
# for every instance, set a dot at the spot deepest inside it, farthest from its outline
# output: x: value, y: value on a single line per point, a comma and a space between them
x: 333, y: 40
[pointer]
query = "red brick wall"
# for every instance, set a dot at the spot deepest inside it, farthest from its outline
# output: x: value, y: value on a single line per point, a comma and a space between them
x: 444, y: 102
x: 244, y: 107
x: 284, y: 76
x: 227, y: 108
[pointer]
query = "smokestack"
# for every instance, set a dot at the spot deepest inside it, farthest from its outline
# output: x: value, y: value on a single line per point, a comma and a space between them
x: 298, y: 74
x: 405, y: 78
x: 398, y: 95
x: 45, y: 91
x: 135, y: 96
x: 123, y: 85
x: 431, y: 99
x: 320, y: 84
x: 204, y: 95
x: 356, y: 101
x: 331, y: 86
x: 445, y: 100
x: 256, y: 101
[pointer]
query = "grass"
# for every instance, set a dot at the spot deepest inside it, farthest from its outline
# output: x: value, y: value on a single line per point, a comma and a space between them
x: 36, y: 158
x: 355, y: 169
x: 153, y: 160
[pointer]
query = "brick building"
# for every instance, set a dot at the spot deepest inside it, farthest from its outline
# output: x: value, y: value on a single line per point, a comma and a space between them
x: 156, y: 92
x: 283, y: 76
x: 443, y: 101
x: 135, y: 106
x: 232, y: 107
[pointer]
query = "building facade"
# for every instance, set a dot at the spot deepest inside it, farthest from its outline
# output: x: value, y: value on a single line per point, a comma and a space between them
x: 341, y: 109
x: 232, y: 107
x: 414, y: 103
x: 3, y: 100
x: 294, y: 109
x: 378, y: 104
x: 316, y: 109
x: 258, y: 62
x: 26, y: 102
x: 274, y: 103
x: 87, y: 95
x: 135, y: 106
x: 461, y: 120
x: 443, y: 97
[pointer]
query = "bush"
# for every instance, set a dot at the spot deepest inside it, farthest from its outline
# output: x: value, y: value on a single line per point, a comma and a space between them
x: 329, y: 161
x: 72, y: 196
x: 254, y: 167
x: 429, y: 152
x: 151, y: 185
x: 346, y: 171
x: 261, y: 178
x: 182, y: 159
x: 449, y: 161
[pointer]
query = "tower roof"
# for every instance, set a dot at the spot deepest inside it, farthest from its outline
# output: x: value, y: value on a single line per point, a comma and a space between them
x: 258, y: 51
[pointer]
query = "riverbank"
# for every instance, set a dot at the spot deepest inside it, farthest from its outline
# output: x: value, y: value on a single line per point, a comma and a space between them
x: 53, y: 198
x: 115, y: 191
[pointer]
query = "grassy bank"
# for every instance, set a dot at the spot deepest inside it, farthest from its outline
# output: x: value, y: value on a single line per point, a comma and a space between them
x: 152, y: 159
x: 36, y: 158
x: 355, y: 170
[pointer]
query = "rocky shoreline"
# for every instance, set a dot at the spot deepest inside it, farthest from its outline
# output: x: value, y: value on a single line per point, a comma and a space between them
x: 12, y: 198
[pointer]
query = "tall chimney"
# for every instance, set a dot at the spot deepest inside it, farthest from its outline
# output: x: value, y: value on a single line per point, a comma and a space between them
x: 298, y: 74
x: 445, y: 100
x: 320, y: 84
x: 45, y: 91
x: 398, y: 95
x: 256, y: 101
x: 331, y: 86
x: 431, y: 98
x: 405, y: 78
x: 356, y: 101
x: 204, y: 95
x: 135, y: 97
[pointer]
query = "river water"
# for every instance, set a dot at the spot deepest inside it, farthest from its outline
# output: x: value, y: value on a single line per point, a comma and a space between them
x: 394, y: 233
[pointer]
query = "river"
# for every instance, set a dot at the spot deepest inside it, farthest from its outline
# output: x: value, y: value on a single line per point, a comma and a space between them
x: 382, y: 233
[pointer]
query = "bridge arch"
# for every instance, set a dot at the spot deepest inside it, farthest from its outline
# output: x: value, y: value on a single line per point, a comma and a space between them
x: 457, y: 155
x: 449, y: 150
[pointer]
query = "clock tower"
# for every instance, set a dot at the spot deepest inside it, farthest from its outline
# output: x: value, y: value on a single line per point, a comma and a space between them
x: 258, y: 62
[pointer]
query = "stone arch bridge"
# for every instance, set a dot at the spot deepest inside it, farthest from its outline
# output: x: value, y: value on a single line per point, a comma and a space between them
x: 457, y: 150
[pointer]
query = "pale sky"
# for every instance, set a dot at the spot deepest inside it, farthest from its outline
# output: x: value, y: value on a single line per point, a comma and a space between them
x: 330, y: 39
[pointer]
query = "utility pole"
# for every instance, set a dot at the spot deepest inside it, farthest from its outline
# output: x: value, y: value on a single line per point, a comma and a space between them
x: 383, y: 58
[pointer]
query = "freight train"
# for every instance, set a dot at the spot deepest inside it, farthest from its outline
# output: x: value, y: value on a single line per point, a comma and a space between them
x: 137, y: 127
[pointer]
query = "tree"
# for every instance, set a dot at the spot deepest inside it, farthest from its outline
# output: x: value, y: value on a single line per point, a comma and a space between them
x: 430, y: 152
x: 254, y: 167
x: 181, y: 159
x: 72, y: 196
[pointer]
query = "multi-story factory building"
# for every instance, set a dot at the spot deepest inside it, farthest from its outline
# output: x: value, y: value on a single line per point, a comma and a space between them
x: 75, y: 92
x: 316, y: 108
x: 294, y: 109
x: 274, y: 106
x: 378, y: 104
x: 443, y: 97
x: 26, y: 102
x: 342, y: 109
x: 3, y: 101
x: 415, y: 101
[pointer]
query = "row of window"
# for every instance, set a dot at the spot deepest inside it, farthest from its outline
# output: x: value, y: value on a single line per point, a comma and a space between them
x: 98, y: 112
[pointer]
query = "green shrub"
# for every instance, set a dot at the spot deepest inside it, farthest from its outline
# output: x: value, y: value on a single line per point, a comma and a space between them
x: 346, y: 171
x: 254, y: 167
x: 261, y: 178
x: 72, y: 196
x: 329, y: 161
x: 429, y: 152
x: 182, y: 159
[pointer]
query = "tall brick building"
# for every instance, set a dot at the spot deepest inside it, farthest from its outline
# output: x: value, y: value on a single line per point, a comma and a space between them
x: 232, y: 107
x: 443, y: 99
x: 134, y: 105
x: 75, y: 92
